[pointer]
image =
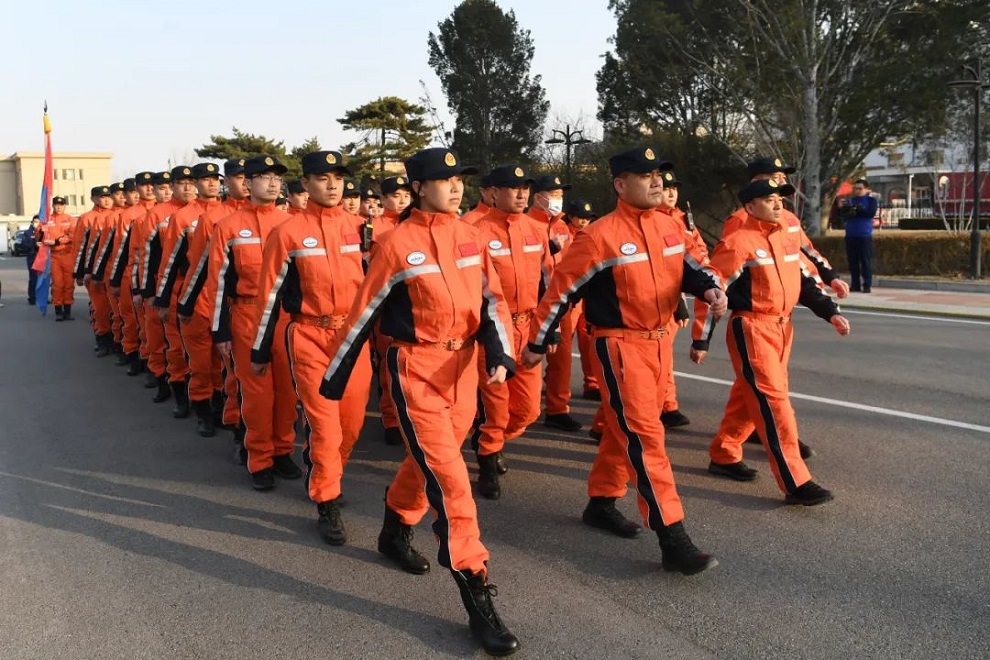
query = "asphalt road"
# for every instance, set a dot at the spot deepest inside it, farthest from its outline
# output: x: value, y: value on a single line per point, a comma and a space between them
x: 125, y: 535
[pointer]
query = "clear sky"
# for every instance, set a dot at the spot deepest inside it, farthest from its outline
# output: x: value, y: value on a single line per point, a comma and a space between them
x: 150, y: 82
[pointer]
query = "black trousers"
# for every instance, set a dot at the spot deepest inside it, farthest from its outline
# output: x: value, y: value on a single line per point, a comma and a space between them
x: 32, y: 279
x: 859, y: 252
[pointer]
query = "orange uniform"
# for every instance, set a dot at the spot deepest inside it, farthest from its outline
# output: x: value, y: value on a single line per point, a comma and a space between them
x: 161, y: 241
x: 520, y: 254
x: 558, y: 375
x: 149, y: 256
x: 479, y: 211
x: 101, y: 270
x: 310, y: 273
x: 434, y: 288
x: 121, y: 274
x: 268, y: 403
x: 96, y: 258
x: 59, y: 232
x: 630, y: 267
x: 765, y: 279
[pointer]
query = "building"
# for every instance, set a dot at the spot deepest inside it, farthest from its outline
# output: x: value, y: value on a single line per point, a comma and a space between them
x: 22, y: 174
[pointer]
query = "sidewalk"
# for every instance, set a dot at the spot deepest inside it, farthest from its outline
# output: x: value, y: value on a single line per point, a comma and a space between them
x: 915, y: 301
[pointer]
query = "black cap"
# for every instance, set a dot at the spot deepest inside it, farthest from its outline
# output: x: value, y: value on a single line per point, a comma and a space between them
x: 509, y: 176
x: 58, y: 200
x: 295, y: 187
x: 233, y: 167
x: 323, y: 162
x: 130, y: 185
x: 99, y: 191
x: 159, y: 178
x: 393, y: 184
x: 261, y: 164
x: 351, y: 188
x: 205, y: 171
x: 764, y: 188
x: 181, y: 172
x: 281, y: 201
x: 368, y: 192
x: 486, y: 181
x: 435, y: 164
x: 768, y: 166
x: 549, y: 182
x: 638, y: 160
x: 144, y: 177
x: 670, y: 179
x: 117, y: 187
x: 579, y: 208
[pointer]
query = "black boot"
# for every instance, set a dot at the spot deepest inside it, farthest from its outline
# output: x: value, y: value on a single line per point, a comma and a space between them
x: 180, y: 391
x: 163, y: 393
x: 216, y: 406
x: 135, y: 364
x: 500, y: 463
x: 486, y: 627
x: 105, y: 344
x: 488, y: 485
x: 395, y: 542
x: 330, y: 524
x: 204, y: 418
x: 150, y: 379
x: 393, y: 436
x: 680, y: 554
x: 240, y: 451
x: 602, y: 514
x: 67, y: 313
x: 58, y: 313
x: 123, y: 359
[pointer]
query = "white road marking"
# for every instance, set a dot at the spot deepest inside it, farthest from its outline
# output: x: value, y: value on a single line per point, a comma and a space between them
x: 940, y: 319
x: 848, y: 404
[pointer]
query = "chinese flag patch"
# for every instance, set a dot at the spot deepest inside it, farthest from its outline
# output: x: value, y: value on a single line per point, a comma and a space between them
x: 532, y: 240
x: 352, y: 239
x: 670, y: 240
x: 468, y: 249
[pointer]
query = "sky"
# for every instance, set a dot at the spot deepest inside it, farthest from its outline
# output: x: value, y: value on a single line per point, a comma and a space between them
x: 150, y: 82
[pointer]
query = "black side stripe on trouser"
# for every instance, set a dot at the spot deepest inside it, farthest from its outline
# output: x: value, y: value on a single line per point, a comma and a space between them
x: 480, y: 417
x: 307, y: 429
x: 634, y: 445
x: 434, y: 491
x: 773, y: 438
x: 240, y: 399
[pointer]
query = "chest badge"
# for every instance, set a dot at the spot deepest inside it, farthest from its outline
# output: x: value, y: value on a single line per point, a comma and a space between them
x: 762, y: 254
x: 495, y: 245
x: 309, y: 242
x: 194, y: 223
x: 415, y: 258
x: 244, y: 233
x: 628, y: 249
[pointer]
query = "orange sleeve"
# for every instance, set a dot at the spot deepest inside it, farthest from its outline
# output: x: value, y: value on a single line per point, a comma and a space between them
x: 729, y: 263
x: 275, y: 264
x: 216, y: 287
x: 496, y: 321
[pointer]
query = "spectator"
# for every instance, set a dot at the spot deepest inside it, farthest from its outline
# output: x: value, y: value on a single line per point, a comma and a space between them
x: 859, y: 211
x: 30, y: 245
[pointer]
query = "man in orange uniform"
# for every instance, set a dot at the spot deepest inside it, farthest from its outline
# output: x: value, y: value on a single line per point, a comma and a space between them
x: 98, y: 221
x: 268, y: 403
x: 311, y: 269
x: 130, y: 198
x: 630, y: 267
x: 297, y: 197
x: 197, y: 309
x: 485, y: 202
x: 548, y: 211
x: 434, y: 288
x: 371, y: 203
x: 204, y: 376
x: 59, y: 232
x: 395, y: 200
x: 578, y: 215
x: 351, y: 201
x: 101, y: 266
x: 148, y: 261
x: 121, y: 277
x: 519, y: 249
x: 813, y: 261
x: 765, y: 279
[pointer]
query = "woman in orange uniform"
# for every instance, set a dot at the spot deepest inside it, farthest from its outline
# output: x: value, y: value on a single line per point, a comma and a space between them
x: 58, y: 236
x: 433, y: 286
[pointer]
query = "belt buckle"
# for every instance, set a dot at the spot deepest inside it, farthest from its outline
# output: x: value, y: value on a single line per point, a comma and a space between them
x: 449, y: 344
x: 323, y: 321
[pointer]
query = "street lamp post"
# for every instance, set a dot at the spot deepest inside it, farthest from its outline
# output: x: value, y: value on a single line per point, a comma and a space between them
x: 568, y: 138
x: 973, y: 79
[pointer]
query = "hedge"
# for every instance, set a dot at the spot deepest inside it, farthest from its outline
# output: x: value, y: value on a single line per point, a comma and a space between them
x: 899, y: 252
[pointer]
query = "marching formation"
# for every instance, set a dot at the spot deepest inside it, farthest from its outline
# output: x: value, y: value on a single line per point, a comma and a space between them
x: 241, y: 305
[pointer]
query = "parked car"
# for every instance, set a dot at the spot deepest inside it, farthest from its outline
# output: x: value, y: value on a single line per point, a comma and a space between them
x: 17, y: 243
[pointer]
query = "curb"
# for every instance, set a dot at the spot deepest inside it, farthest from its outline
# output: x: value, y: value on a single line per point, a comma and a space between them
x: 917, y: 311
x: 932, y: 285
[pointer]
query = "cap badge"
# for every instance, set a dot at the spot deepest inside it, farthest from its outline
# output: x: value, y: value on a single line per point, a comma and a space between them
x: 400, y: 181
x: 310, y: 242
x: 350, y: 186
x: 587, y: 207
x: 772, y: 183
x: 415, y: 258
x: 449, y: 160
x: 777, y: 162
x: 519, y: 172
x: 167, y: 176
x: 269, y: 162
x: 147, y: 176
x: 649, y: 155
x: 331, y: 159
x: 628, y: 249
x: 210, y: 168
x: 185, y: 170
x: 668, y: 176
x: 556, y: 180
x: 241, y: 162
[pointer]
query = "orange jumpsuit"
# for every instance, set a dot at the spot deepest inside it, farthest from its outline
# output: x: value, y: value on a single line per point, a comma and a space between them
x: 765, y: 279
x: 204, y: 365
x: 97, y: 250
x: 159, y: 246
x: 102, y: 266
x: 517, y: 245
x: 150, y: 256
x: 381, y: 226
x: 199, y: 310
x: 311, y: 269
x: 630, y: 267
x: 558, y: 375
x: 59, y: 233
x: 436, y: 292
x: 268, y: 403
x: 479, y: 211
x: 121, y: 274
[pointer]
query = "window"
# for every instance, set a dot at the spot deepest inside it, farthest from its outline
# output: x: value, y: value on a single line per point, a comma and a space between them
x: 55, y: 174
x: 72, y: 200
x: 80, y: 175
x: 895, y: 159
x: 69, y: 175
